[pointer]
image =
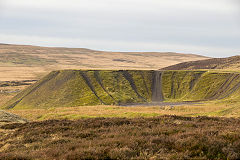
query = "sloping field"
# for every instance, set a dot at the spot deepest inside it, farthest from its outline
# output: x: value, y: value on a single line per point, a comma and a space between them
x: 70, y: 88
x: 21, y: 62
x: 231, y: 63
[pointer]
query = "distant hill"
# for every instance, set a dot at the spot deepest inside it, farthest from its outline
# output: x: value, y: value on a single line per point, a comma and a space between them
x: 213, y: 63
x: 21, y: 62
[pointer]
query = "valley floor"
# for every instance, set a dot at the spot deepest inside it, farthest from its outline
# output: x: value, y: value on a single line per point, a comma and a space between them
x: 74, y: 113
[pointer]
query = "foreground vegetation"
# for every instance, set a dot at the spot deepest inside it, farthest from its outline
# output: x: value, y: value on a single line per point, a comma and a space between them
x: 163, y: 137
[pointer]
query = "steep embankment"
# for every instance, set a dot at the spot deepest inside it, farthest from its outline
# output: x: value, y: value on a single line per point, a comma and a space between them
x: 200, y: 86
x: 93, y: 87
x: 214, y: 63
x: 79, y: 87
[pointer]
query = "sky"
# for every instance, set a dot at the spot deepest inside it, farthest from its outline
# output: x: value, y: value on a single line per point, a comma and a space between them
x: 205, y: 27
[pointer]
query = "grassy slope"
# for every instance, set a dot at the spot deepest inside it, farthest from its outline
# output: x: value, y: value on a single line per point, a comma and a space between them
x: 69, y: 88
x: 200, y: 85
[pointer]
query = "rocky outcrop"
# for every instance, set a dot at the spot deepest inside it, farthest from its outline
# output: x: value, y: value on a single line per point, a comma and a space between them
x: 9, y: 117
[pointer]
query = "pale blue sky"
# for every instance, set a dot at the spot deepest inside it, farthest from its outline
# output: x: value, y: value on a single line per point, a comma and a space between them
x: 206, y: 27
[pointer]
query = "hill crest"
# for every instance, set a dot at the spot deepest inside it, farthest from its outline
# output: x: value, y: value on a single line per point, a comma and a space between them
x: 213, y: 63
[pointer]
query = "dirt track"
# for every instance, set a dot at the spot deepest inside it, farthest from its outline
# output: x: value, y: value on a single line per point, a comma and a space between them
x: 161, y: 104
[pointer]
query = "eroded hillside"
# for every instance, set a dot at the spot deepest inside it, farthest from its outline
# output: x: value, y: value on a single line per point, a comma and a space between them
x: 120, y: 87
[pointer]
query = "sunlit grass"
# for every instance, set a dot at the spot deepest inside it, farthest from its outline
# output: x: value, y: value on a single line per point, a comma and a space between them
x: 73, y: 113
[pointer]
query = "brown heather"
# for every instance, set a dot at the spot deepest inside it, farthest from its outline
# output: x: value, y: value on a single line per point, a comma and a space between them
x: 165, y: 137
x: 229, y: 63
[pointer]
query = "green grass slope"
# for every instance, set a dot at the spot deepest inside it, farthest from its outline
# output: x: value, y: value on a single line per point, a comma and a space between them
x: 200, y: 85
x: 69, y: 88
x: 86, y: 87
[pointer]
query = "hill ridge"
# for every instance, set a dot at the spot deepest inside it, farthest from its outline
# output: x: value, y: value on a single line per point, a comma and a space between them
x: 213, y: 63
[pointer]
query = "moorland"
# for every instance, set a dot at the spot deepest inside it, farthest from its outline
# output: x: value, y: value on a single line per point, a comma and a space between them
x: 86, y: 104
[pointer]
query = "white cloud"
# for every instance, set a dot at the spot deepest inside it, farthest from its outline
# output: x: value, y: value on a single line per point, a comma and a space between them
x: 225, y: 6
x: 205, y: 26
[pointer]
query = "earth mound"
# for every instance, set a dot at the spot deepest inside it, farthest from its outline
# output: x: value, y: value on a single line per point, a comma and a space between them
x: 72, y: 88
